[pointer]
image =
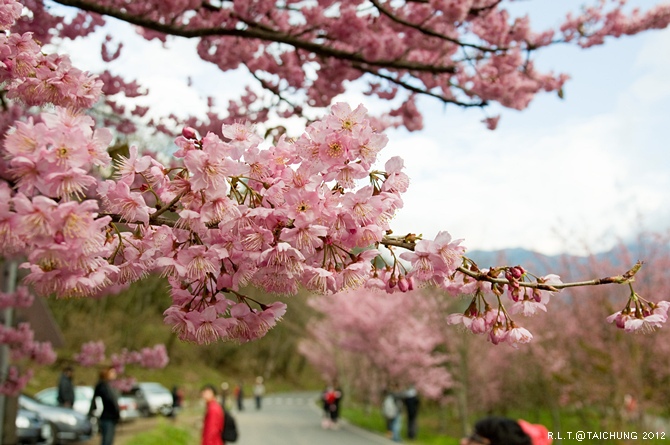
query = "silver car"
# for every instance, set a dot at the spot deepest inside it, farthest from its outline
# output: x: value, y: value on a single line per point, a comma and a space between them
x: 158, y: 398
x: 67, y: 424
x: 82, y: 402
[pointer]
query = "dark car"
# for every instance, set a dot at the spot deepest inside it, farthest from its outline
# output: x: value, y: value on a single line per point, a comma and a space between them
x: 31, y: 428
x: 67, y: 424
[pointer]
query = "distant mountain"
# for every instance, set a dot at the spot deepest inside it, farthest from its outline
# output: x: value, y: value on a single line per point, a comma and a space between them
x: 540, y: 264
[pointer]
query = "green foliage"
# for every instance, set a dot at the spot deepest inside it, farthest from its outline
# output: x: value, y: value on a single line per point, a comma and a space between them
x: 162, y: 434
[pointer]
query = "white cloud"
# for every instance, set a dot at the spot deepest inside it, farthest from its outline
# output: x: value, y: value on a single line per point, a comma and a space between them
x: 597, y: 176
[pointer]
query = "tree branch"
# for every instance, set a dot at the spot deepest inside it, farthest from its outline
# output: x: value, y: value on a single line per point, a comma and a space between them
x: 429, y: 32
x: 409, y: 242
x: 255, y: 31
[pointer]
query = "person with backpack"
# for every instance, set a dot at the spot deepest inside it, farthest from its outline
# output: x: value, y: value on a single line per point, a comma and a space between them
x: 213, y: 424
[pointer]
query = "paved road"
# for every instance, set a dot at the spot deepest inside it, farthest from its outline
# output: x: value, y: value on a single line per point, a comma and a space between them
x: 294, y: 419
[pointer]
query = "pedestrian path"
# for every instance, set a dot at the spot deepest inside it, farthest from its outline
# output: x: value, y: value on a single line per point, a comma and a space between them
x: 295, y: 419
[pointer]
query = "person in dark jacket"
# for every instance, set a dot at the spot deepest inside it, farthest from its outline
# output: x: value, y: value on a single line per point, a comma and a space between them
x: 504, y: 431
x: 66, y: 388
x: 110, y: 405
x: 411, y: 400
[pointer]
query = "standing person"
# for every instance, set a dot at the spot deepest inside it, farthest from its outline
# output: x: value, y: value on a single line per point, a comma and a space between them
x: 213, y: 421
x: 176, y: 400
x: 331, y: 406
x: 504, y: 431
x: 326, y: 398
x: 66, y: 388
x: 391, y: 412
x: 411, y: 399
x: 239, y: 396
x: 259, y: 390
x: 110, y: 406
x: 226, y: 400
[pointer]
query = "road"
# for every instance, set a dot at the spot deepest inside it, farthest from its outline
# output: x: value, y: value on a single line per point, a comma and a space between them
x: 294, y: 419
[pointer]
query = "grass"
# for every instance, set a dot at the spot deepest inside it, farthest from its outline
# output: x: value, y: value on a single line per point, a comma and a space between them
x: 439, y: 428
x: 373, y: 421
x: 163, y: 433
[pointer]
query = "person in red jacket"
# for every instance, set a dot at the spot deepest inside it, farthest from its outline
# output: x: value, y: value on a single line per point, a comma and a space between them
x: 213, y: 423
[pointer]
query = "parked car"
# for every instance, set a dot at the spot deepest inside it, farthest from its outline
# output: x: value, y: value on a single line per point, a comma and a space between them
x: 157, y: 397
x: 82, y: 402
x: 142, y: 404
x: 67, y: 424
x: 31, y: 428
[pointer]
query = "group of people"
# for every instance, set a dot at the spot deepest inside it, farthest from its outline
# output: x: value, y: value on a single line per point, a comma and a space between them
x: 103, y: 391
x: 393, y: 403
x: 238, y: 394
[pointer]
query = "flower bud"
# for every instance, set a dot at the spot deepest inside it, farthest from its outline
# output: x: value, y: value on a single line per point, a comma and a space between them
x: 403, y: 285
x: 189, y: 133
x: 393, y: 281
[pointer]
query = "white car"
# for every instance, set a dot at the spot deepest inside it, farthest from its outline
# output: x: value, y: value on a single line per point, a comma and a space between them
x: 158, y: 398
x: 82, y: 402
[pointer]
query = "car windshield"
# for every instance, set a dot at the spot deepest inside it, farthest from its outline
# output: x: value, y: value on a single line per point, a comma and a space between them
x: 154, y: 388
x: 29, y: 402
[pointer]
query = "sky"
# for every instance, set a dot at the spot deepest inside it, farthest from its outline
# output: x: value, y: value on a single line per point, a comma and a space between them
x: 572, y: 175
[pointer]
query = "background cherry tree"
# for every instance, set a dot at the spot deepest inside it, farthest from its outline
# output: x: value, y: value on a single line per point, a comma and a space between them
x: 394, y: 338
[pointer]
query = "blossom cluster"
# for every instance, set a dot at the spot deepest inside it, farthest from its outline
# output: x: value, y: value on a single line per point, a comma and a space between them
x: 480, y: 317
x: 22, y: 347
x: 37, y: 79
x: 15, y: 381
x: 22, y: 344
x: 93, y: 353
x: 149, y: 358
x: 21, y: 298
x: 640, y: 315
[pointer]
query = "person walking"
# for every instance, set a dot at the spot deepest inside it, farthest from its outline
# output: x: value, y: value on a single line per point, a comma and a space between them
x: 213, y: 421
x: 110, y: 405
x: 177, y: 397
x: 331, y: 397
x: 66, y: 388
x: 391, y: 412
x: 411, y: 400
x: 239, y: 396
x: 259, y: 390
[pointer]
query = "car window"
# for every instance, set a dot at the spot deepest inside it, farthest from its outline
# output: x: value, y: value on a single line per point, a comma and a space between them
x: 48, y: 397
x: 83, y: 393
x: 154, y: 388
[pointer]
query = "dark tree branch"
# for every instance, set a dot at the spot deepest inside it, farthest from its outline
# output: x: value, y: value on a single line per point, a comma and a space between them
x: 256, y: 31
x: 430, y: 32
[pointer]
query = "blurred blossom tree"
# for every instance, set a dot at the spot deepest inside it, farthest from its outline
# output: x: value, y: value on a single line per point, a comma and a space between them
x: 394, y: 338
x: 230, y: 210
